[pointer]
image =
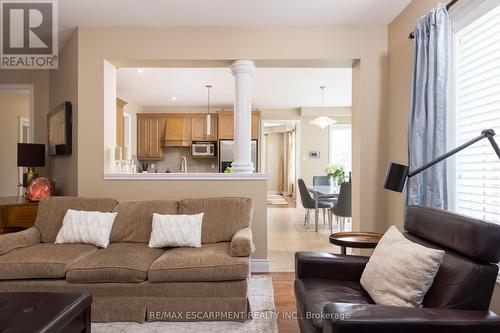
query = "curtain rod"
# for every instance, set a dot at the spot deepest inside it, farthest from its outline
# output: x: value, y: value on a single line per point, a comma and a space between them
x: 448, y: 6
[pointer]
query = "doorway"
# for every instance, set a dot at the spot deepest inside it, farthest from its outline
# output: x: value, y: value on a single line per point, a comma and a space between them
x: 279, y: 160
x: 16, y: 126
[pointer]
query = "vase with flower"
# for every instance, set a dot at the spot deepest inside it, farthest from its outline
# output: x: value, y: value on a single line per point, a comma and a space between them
x: 335, y: 174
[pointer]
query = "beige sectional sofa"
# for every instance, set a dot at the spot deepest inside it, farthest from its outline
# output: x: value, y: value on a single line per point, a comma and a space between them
x: 128, y: 280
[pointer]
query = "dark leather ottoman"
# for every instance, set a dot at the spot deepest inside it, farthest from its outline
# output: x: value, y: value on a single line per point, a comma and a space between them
x: 44, y: 312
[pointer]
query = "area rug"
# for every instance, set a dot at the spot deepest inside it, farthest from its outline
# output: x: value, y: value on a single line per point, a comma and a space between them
x: 261, y: 302
x: 276, y: 199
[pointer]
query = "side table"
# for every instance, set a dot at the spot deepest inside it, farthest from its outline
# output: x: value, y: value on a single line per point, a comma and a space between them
x: 360, y: 240
x: 16, y: 213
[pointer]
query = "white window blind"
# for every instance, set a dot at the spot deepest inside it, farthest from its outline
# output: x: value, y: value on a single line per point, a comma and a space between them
x: 477, y: 107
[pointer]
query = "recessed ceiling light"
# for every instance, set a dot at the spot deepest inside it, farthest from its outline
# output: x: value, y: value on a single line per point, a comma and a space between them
x: 140, y: 70
x: 174, y: 98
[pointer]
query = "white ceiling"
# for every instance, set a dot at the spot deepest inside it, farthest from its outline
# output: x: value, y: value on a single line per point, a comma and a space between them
x: 272, y: 87
x: 158, y: 13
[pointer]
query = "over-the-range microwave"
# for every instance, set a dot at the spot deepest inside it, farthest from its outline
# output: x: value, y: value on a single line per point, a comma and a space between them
x: 203, y: 149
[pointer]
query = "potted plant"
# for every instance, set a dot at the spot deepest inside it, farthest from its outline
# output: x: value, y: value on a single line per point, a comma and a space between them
x: 335, y: 174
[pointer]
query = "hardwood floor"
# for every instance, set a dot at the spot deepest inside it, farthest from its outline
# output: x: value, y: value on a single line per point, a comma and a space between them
x: 291, y: 203
x: 284, y: 301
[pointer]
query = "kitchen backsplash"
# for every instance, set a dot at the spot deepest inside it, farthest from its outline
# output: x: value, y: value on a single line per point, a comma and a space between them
x: 173, y: 158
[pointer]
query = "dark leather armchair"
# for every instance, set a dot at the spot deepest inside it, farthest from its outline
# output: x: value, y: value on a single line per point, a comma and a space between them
x: 330, y: 297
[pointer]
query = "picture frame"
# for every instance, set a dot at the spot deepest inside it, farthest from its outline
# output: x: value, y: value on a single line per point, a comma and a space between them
x: 59, y: 130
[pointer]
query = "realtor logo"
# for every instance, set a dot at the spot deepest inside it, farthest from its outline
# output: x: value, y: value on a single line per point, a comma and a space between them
x: 28, y: 37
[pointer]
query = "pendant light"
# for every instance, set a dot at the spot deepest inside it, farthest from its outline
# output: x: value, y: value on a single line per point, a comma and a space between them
x: 323, y: 121
x: 209, y: 123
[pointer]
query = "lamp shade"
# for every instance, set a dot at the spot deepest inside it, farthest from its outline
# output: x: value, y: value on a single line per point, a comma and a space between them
x: 395, y: 177
x: 30, y: 155
x: 323, y: 122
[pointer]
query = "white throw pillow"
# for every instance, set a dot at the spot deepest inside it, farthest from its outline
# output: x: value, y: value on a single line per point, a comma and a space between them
x: 86, y: 227
x: 176, y: 230
x: 400, y: 272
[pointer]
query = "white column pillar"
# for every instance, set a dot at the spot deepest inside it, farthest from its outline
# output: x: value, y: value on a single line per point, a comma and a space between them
x: 242, y: 71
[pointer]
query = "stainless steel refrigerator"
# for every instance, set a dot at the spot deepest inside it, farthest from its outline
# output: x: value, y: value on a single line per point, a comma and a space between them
x: 226, y: 154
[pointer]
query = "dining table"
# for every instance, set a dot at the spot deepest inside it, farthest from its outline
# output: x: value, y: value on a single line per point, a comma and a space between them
x: 322, y: 192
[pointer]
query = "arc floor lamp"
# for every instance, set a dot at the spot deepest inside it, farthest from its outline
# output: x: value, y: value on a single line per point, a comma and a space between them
x: 397, y: 174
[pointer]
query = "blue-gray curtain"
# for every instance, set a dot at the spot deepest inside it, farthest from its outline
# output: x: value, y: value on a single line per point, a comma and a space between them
x: 428, y: 110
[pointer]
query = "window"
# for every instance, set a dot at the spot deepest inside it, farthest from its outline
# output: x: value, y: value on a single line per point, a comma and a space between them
x: 341, y: 146
x: 475, y: 176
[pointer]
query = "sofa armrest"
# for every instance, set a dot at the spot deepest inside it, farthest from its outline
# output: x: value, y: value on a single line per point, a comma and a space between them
x: 25, y: 238
x: 241, y: 243
x: 329, y: 266
x: 360, y: 318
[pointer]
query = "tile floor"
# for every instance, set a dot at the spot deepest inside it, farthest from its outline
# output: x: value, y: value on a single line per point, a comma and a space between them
x: 287, y: 235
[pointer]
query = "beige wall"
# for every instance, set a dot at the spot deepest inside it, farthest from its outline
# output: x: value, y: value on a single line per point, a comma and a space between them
x: 400, y: 71
x: 13, y: 105
x: 64, y: 88
x: 39, y: 79
x: 143, y: 45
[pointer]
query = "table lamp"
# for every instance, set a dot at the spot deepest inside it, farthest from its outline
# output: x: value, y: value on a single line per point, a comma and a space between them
x: 397, y: 174
x: 30, y: 155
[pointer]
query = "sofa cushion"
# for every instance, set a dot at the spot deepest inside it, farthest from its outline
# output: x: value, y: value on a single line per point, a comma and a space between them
x: 210, y: 262
x: 176, y: 230
x: 135, y: 217
x: 51, y: 212
x: 119, y: 262
x: 42, y: 260
x: 223, y: 216
x: 19, y: 239
x: 313, y: 294
x: 400, y: 272
x: 81, y: 227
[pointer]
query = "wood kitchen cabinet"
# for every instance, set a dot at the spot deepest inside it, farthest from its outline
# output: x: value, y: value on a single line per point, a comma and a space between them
x: 149, y: 135
x: 226, y: 125
x: 178, y: 131
x: 255, y: 125
x: 199, y: 129
x: 120, y: 105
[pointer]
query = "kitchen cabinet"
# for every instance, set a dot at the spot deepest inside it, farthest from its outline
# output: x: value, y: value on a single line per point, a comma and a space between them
x: 199, y: 129
x: 178, y: 132
x: 120, y: 105
x: 149, y: 135
x: 255, y: 125
x: 226, y: 125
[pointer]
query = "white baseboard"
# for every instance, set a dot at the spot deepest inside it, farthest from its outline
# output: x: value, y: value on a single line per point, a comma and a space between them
x: 259, y: 265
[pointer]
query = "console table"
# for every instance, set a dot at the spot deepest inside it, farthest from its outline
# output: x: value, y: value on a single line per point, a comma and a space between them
x: 16, y: 213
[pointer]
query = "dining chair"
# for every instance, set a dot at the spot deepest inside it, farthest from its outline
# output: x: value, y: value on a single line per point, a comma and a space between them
x: 342, y: 207
x: 308, y: 201
x: 323, y: 180
x: 320, y: 180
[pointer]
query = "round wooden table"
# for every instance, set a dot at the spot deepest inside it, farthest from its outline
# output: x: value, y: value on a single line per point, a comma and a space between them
x: 360, y: 240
